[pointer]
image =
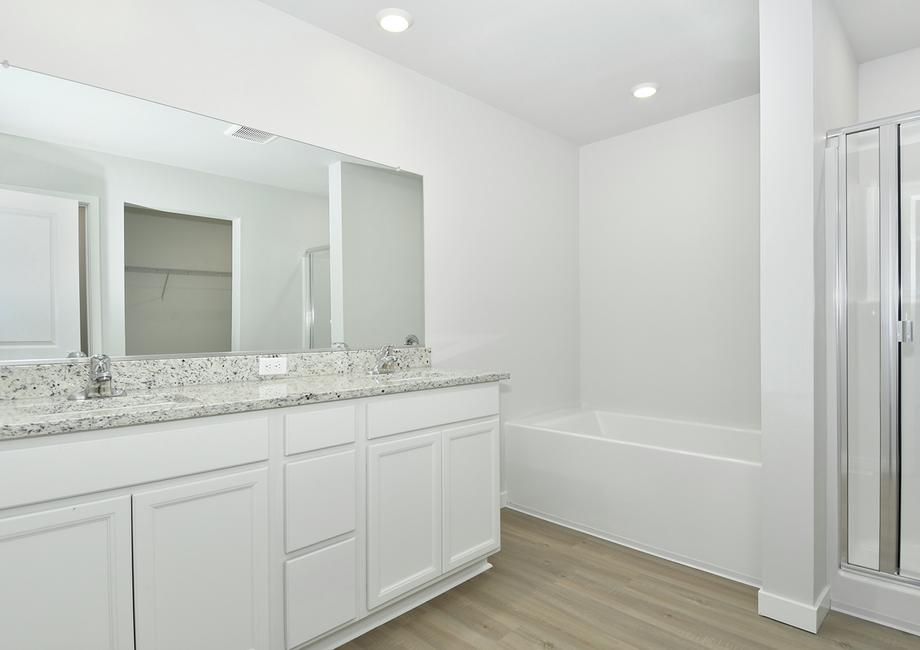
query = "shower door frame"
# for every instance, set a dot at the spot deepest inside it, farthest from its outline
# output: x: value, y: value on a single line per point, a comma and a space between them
x: 889, y: 312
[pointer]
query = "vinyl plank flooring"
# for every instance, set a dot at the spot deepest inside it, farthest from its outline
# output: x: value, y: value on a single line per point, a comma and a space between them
x: 553, y: 588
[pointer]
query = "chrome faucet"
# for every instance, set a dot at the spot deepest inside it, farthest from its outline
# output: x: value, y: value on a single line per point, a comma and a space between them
x: 100, y: 382
x: 386, y: 361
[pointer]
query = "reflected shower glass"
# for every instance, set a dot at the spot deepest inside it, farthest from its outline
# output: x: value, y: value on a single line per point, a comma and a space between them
x: 863, y: 325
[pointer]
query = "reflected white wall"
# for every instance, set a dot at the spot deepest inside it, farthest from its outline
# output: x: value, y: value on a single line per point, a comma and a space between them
x: 376, y: 259
x: 276, y: 226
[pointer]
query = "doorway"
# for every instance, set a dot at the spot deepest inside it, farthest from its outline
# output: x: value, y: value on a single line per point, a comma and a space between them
x: 178, y: 282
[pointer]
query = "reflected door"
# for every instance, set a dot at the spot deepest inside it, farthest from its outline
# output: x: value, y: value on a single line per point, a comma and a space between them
x: 40, y: 259
x: 317, y: 307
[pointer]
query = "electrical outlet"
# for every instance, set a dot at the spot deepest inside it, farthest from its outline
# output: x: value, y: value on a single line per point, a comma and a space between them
x: 273, y: 365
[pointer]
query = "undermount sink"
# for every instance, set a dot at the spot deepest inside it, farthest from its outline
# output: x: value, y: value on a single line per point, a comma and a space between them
x: 65, y: 406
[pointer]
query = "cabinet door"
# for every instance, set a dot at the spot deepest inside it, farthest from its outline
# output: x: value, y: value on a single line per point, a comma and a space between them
x: 66, y: 578
x: 404, y: 516
x: 201, y: 565
x: 471, y: 492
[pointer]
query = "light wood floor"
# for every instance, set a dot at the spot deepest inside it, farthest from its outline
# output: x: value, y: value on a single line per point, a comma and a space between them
x: 555, y: 588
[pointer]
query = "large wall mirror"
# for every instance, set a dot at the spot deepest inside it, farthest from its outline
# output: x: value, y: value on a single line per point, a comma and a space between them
x: 132, y: 228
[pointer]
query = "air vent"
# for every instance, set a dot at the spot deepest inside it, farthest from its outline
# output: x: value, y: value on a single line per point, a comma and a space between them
x: 250, y: 134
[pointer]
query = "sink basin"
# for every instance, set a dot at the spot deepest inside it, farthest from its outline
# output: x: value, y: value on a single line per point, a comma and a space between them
x: 64, y: 406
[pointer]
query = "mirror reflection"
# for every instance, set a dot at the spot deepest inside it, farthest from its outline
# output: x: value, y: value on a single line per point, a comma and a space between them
x: 132, y: 228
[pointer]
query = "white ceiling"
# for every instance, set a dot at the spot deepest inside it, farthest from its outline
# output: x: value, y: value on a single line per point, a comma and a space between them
x: 567, y: 67
x: 54, y: 110
x: 880, y: 28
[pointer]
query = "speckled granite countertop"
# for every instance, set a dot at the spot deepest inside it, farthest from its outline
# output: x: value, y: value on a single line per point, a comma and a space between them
x: 24, y: 418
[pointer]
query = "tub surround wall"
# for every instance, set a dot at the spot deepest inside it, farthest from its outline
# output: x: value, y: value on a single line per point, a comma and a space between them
x: 669, y: 303
x: 43, y: 380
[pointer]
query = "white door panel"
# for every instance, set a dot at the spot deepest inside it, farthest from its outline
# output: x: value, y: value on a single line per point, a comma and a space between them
x: 403, y: 516
x: 201, y: 565
x: 471, y: 492
x: 39, y: 260
x: 66, y: 578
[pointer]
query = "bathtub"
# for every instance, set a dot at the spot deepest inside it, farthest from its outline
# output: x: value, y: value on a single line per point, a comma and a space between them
x: 684, y: 491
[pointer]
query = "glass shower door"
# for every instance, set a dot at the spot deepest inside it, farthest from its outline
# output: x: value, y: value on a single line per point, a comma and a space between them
x: 909, y: 141
x: 878, y: 325
x: 863, y: 349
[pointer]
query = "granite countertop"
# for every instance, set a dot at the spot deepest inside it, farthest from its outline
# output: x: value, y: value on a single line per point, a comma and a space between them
x: 24, y: 418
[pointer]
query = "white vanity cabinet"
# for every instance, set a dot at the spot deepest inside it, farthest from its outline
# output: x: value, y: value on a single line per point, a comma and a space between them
x: 432, y: 497
x: 282, y: 529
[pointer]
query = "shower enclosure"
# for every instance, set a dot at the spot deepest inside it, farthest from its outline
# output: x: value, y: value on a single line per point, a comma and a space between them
x: 874, y: 174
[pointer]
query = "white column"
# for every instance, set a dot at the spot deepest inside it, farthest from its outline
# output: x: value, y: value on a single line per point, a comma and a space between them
x: 794, y: 572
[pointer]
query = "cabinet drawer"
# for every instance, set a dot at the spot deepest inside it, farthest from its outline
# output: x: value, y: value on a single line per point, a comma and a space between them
x: 144, y: 454
x: 318, y: 428
x: 387, y: 416
x: 319, y: 499
x: 320, y: 592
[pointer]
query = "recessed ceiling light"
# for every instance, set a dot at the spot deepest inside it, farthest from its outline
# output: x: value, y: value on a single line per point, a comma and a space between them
x: 644, y: 91
x: 394, y: 20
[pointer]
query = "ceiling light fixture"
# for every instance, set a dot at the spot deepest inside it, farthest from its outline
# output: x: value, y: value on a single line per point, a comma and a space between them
x: 394, y: 20
x: 644, y: 91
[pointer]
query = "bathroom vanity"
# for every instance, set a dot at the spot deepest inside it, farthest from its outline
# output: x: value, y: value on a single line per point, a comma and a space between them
x: 273, y: 526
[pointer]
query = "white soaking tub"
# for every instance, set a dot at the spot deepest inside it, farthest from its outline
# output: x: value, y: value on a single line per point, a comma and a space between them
x: 685, y: 491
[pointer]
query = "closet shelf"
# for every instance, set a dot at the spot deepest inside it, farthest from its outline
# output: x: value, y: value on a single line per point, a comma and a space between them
x: 167, y: 271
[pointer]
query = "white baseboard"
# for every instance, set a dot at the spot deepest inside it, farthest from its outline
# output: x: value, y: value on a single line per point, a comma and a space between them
x: 805, y: 616
x: 638, y: 546
x: 877, y: 599
x: 876, y: 617
x: 378, y: 618
x: 503, y: 499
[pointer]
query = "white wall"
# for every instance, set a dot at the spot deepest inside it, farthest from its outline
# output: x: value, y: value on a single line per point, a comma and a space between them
x: 669, y: 269
x: 889, y: 86
x: 276, y: 226
x: 376, y: 261
x: 491, y: 181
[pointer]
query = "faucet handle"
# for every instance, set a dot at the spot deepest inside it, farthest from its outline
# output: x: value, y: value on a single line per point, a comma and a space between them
x: 100, y: 365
